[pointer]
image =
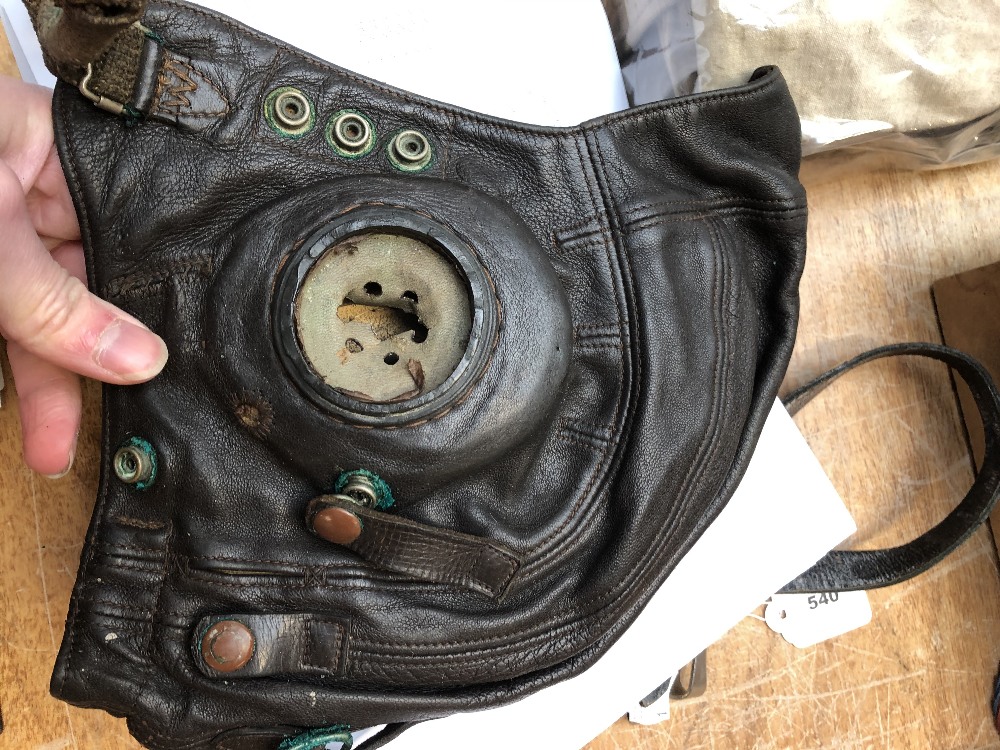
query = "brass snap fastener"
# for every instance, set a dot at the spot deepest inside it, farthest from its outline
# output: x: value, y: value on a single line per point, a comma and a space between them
x: 135, y: 463
x: 410, y: 151
x: 289, y: 111
x: 337, y: 525
x: 351, y: 134
x: 227, y: 646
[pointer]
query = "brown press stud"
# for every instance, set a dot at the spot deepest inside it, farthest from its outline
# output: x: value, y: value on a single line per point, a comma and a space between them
x: 337, y: 525
x: 227, y: 646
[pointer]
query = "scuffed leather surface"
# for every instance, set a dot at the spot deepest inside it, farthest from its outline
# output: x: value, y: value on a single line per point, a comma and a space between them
x: 676, y: 232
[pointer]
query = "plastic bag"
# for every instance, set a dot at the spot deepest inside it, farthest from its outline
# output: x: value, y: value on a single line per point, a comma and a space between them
x: 911, y: 82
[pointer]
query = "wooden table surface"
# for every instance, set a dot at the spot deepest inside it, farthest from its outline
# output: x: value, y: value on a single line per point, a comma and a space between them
x: 918, y: 677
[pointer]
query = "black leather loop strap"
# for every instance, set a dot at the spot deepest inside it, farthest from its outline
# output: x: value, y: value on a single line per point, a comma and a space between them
x: 852, y: 570
x: 416, y: 549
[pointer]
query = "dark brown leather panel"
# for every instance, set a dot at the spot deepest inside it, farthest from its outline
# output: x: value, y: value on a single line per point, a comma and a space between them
x: 641, y: 270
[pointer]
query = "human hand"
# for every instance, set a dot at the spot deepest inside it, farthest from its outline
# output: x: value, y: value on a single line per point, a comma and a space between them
x: 53, y: 326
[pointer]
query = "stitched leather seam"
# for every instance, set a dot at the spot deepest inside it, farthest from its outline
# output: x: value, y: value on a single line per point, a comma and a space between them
x: 139, y: 524
x: 597, y: 328
x: 602, y: 439
x: 659, y: 220
x: 583, y: 241
x: 784, y: 214
x: 125, y: 610
x: 576, y: 423
x: 586, y: 441
x: 336, y: 585
x: 582, y: 502
x: 124, y: 564
x: 338, y: 652
x: 723, y: 208
x: 296, y: 570
x: 160, y: 551
x: 305, y: 660
x: 164, y: 108
x: 725, y: 201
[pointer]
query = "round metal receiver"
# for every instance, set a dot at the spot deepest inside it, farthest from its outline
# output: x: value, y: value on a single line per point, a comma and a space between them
x: 383, y: 317
x: 135, y: 463
x: 292, y: 109
x: 351, y: 134
x: 410, y: 151
x: 289, y: 112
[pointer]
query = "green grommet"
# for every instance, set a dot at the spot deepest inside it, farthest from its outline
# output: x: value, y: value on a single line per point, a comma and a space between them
x: 350, y: 134
x: 410, y: 151
x: 289, y: 112
x: 365, y: 487
x: 135, y: 463
x: 317, y: 739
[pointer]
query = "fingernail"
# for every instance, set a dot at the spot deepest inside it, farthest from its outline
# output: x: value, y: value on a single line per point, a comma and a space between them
x: 130, y: 351
x: 64, y: 472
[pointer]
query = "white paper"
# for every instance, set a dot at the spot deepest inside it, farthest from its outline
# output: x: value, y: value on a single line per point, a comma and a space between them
x: 547, y: 62
x: 553, y: 62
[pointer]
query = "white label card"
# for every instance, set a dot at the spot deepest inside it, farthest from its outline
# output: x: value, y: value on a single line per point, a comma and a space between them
x: 807, y: 619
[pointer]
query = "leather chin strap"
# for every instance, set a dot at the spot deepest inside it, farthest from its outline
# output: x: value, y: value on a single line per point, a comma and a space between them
x: 843, y: 570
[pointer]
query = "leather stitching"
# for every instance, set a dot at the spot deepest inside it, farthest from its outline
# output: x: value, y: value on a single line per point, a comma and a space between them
x: 582, y: 502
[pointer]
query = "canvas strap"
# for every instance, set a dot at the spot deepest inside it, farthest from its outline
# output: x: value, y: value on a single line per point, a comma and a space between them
x: 95, y: 45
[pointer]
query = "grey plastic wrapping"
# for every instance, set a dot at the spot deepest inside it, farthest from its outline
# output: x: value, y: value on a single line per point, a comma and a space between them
x: 912, y: 83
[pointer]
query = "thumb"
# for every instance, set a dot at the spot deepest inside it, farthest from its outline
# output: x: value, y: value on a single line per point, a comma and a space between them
x: 50, y: 313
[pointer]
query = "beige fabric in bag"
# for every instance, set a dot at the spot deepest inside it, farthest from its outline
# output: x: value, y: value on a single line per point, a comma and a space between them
x: 858, y: 67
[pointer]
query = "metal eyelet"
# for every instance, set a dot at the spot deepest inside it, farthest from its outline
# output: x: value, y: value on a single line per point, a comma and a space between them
x: 364, y: 488
x: 135, y: 463
x: 410, y: 151
x: 289, y: 111
x: 361, y: 490
x: 350, y: 133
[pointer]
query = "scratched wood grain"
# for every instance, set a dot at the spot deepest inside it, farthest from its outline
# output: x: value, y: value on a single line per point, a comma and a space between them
x: 917, y: 678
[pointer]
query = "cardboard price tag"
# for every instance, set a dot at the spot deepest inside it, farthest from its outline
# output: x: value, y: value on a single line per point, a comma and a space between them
x: 807, y: 619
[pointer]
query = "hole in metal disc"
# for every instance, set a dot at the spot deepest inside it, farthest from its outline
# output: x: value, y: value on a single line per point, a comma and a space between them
x: 128, y: 465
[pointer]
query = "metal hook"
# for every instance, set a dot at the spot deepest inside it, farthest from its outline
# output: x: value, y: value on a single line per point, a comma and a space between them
x: 102, y: 102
